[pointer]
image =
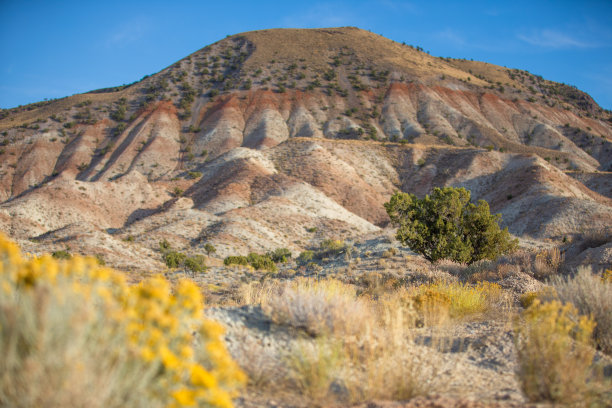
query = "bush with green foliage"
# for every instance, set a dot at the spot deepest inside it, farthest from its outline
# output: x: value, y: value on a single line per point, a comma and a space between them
x: 305, y: 257
x: 264, y: 262
x: 174, y: 259
x: 331, y: 247
x: 257, y: 261
x: 210, y: 249
x: 447, y: 225
x: 61, y: 254
x: 281, y: 255
x: 192, y: 175
x: 236, y: 260
x: 195, y: 264
x: 164, y: 245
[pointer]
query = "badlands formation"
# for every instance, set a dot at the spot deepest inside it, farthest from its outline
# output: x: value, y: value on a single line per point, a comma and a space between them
x: 252, y: 142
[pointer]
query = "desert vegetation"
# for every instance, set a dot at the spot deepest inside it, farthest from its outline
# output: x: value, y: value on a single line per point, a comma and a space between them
x: 356, y: 347
x: 446, y: 225
x: 73, y: 333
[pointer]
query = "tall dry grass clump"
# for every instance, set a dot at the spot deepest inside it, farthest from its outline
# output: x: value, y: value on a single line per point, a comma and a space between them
x: 74, y: 334
x: 319, y: 307
x: 541, y: 265
x: 383, y: 362
x: 457, y: 300
x: 592, y: 296
x: 555, y: 355
x: 547, y: 263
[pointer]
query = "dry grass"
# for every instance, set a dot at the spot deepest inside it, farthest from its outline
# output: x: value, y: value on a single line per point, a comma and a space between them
x: 594, y: 238
x: 547, y: 263
x: 256, y: 293
x: 541, y: 265
x: 458, y: 300
x: 260, y: 361
x: 365, y: 348
x: 314, y: 366
x: 592, y: 296
x: 554, y: 354
x: 319, y: 307
x: 384, y: 363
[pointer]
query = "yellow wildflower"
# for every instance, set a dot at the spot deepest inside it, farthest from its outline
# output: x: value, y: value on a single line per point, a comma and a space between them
x: 147, y: 354
x: 168, y: 358
x: 201, y: 377
x: 184, y: 397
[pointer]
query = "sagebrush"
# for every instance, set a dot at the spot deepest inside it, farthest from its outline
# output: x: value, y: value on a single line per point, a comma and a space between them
x: 75, y: 334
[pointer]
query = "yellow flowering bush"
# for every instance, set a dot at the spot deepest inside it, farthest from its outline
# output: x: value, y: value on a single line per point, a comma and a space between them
x: 546, y: 294
x: 606, y: 276
x: 73, y: 333
x: 456, y: 299
x: 554, y: 353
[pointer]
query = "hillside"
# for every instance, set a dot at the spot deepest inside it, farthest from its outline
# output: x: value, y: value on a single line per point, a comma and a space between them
x: 254, y: 141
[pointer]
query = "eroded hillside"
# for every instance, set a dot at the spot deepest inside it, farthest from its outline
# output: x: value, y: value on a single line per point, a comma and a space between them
x: 259, y: 139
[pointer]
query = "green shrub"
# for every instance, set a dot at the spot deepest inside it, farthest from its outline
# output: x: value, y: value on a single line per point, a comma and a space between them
x: 195, y: 264
x: 331, y: 247
x: 236, y: 260
x: 255, y: 260
x: 100, y: 259
x: 210, y: 249
x: 61, y: 254
x: 174, y: 259
x: 305, y: 257
x: 281, y: 255
x: 264, y: 262
x: 164, y: 245
x: 191, y: 175
x: 446, y: 225
x: 119, y: 114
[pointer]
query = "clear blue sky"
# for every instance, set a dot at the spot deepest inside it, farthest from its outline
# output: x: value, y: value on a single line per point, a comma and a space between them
x: 51, y: 49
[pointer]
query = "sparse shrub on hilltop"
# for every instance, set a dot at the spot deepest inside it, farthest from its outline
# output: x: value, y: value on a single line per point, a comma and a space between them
x: 446, y: 225
x: 73, y: 333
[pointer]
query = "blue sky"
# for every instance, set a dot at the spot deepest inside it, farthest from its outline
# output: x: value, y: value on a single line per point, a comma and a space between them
x: 51, y: 49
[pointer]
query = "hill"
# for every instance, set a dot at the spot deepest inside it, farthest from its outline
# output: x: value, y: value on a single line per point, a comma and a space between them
x: 254, y: 141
